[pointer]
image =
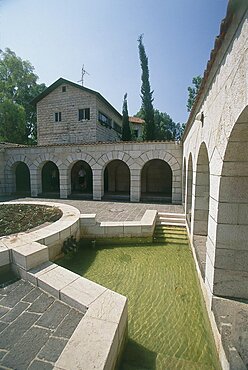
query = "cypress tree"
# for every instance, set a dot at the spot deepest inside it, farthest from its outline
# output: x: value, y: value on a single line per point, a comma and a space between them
x: 126, y: 132
x: 146, y: 94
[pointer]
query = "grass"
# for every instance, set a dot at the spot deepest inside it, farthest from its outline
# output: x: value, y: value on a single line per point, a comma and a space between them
x: 15, y: 218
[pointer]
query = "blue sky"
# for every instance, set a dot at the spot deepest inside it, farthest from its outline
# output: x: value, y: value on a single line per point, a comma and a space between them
x: 59, y: 36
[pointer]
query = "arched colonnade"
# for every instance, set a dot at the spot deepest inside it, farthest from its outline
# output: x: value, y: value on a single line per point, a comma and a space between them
x: 151, y: 176
x: 216, y: 206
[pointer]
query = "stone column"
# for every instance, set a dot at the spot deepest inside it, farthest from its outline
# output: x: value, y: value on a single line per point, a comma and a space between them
x: 98, y: 183
x: 135, y: 184
x: 34, y: 182
x: 176, y: 185
x: 64, y: 183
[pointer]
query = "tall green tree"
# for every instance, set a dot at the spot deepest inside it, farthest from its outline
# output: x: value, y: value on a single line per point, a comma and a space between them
x: 146, y: 94
x: 126, y: 131
x: 165, y: 127
x: 18, y: 84
x: 193, y: 91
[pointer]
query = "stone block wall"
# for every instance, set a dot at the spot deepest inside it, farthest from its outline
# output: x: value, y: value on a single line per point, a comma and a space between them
x: 133, y: 154
x: 224, y: 132
x: 70, y: 130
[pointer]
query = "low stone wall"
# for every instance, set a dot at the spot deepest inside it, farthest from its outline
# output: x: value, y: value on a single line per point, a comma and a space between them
x: 142, y: 229
x: 99, y: 338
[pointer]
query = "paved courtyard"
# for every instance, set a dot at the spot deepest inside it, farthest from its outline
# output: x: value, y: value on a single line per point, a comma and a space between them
x: 114, y: 211
x: 34, y: 327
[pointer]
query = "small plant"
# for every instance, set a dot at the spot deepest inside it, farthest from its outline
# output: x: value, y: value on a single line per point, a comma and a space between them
x: 70, y: 245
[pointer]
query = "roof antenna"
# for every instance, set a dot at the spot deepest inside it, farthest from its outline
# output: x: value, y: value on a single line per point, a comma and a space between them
x: 83, y: 72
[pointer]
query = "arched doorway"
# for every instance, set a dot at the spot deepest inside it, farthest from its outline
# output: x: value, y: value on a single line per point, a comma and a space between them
x: 50, y: 178
x: 189, y: 191
x: 231, y: 253
x: 81, y: 179
x: 201, y: 207
x: 156, y: 181
x: 22, y: 179
x: 117, y: 180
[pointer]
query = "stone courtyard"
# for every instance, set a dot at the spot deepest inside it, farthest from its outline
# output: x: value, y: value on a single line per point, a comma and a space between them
x: 204, y: 176
x: 34, y: 327
x: 114, y: 211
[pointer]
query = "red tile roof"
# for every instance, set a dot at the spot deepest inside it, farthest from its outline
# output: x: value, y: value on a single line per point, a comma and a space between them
x: 136, y: 120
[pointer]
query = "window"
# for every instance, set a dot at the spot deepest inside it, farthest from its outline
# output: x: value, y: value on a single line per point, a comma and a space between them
x: 57, y: 117
x: 104, y: 120
x: 63, y: 88
x: 117, y: 127
x: 84, y: 114
x: 136, y: 133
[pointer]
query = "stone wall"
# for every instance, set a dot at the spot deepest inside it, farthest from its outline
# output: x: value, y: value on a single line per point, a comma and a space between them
x: 135, y: 155
x: 70, y: 130
x: 221, y: 174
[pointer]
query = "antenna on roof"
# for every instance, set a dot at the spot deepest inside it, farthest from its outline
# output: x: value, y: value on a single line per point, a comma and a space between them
x: 83, y: 72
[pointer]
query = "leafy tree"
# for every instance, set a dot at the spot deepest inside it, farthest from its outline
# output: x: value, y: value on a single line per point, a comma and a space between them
x: 12, y: 122
x: 193, y: 91
x: 18, y: 84
x: 146, y: 94
x: 165, y: 127
x: 126, y: 132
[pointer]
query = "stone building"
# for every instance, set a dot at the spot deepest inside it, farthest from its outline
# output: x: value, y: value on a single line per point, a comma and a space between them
x: 68, y: 113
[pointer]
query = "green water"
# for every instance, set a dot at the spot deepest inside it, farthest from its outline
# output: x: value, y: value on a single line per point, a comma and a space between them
x: 167, y: 323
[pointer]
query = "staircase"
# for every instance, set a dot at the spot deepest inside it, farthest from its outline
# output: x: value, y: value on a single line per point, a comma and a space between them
x: 171, y: 219
x: 170, y: 228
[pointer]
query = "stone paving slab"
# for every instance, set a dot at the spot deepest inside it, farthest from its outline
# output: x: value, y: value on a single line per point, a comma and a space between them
x: 34, y: 329
x: 113, y: 211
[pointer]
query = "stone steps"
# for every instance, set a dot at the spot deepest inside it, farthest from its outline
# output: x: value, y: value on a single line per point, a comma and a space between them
x: 170, y: 229
x: 177, y: 219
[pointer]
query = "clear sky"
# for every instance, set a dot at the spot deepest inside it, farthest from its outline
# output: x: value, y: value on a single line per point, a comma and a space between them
x: 59, y: 36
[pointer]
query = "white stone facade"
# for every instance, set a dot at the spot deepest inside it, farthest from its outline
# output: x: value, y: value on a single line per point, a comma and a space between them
x: 215, y: 155
x: 66, y: 98
x: 97, y: 156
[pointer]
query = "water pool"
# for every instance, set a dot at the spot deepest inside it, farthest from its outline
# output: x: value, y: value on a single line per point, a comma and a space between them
x: 168, y: 326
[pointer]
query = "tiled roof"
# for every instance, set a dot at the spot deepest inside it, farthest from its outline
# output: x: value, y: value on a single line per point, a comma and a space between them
x: 136, y: 120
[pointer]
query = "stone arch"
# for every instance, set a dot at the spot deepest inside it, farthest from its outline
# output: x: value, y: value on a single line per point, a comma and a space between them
x: 81, y: 184
x: 50, y: 178
x: 103, y: 161
x: 172, y: 162
x: 43, y: 158
x: 10, y: 172
x: 231, y: 253
x: 189, y: 190
x: 117, y: 179
x: 201, y: 206
x: 75, y: 157
x: 156, y: 180
x: 39, y: 163
x: 22, y: 179
x: 202, y: 184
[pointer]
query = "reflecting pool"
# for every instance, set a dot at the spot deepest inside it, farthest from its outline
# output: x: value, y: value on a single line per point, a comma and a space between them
x: 168, y: 327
